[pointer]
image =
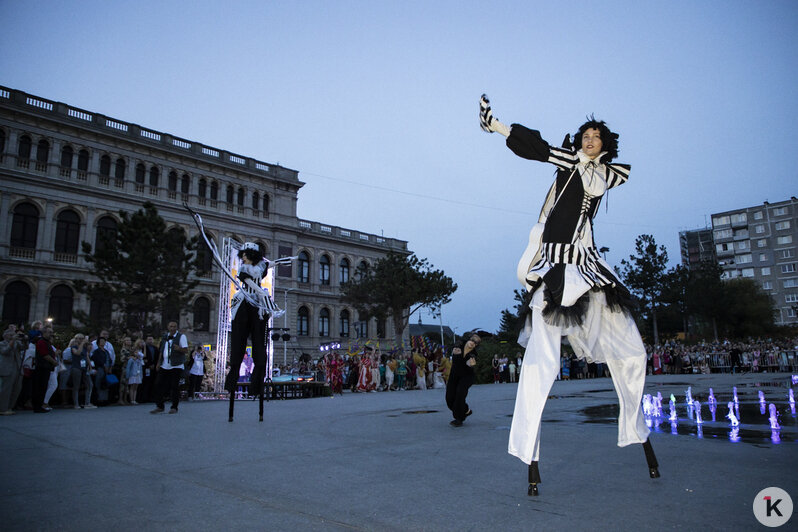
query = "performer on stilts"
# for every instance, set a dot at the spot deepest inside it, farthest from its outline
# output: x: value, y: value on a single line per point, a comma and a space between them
x: 574, y: 291
x: 250, y: 310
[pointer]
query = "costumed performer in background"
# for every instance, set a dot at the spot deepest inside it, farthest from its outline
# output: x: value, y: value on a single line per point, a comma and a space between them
x: 574, y: 291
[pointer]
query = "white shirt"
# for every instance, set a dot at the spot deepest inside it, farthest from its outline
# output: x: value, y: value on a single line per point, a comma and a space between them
x: 197, y: 368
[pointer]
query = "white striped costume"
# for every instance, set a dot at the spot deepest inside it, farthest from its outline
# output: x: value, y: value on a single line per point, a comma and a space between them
x: 576, y: 295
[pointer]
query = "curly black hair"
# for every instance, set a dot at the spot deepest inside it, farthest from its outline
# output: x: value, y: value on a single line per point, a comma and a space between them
x: 609, y: 140
x: 254, y: 256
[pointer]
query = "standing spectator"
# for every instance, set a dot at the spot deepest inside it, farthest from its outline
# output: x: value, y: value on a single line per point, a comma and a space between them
x: 421, y: 363
x: 149, y: 366
x: 171, y: 360
x: 81, y: 363
x: 108, y: 346
x: 124, y: 356
x: 445, y: 368
x: 375, y: 372
x: 45, y: 362
x: 495, y: 365
x: 390, y: 371
x: 11, y: 349
x: 134, y: 370
x: 512, y: 370
x: 401, y: 373
x: 197, y: 371
x: 101, y: 362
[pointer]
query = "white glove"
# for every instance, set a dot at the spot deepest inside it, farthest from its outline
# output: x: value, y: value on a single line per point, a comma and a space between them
x: 487, y: 121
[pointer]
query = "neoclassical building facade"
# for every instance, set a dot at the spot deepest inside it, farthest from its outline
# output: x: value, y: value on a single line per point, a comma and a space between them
x: 65, y: 173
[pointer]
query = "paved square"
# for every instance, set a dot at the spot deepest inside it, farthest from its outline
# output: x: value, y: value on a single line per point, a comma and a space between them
x: 390, y: 461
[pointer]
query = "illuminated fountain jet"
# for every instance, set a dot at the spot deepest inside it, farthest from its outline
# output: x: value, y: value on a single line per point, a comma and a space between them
x: 697, y: 406
x: 732, y: 418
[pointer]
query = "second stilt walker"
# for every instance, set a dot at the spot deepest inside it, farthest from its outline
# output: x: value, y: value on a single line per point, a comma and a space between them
x: 250, y: 310
x: 574, y: 292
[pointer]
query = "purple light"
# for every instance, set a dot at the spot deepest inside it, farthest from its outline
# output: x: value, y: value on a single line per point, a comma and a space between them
x: 698, y: 419
x: 734, y: 435
x: 733, y: 421
x: 774, y: 417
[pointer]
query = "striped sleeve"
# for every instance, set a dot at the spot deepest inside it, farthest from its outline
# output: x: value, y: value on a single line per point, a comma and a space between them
x: 562, y: 158
x: 617, y: 174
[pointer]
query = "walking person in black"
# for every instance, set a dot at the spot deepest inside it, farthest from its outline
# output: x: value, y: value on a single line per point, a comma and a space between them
x: 461, y: 378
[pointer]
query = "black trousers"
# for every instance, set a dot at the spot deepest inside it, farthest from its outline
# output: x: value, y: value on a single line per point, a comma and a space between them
x: 168, y: 380
x: 247, y: 324
x: 41, y: 377
x: 457, y: 391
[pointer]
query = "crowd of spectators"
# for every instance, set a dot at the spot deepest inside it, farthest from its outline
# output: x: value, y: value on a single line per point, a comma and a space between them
x: 751, y: 355
x: 86, y: 371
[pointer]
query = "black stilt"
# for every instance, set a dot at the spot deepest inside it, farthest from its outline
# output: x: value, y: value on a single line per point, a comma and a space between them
x: 653, y: 466
x: 534, y: 479
x: 261, y: 404
x: 232, y: 405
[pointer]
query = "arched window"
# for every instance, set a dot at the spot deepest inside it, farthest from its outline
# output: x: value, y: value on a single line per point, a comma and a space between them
x: 60, y: 307
x: 154, y: 175
x: 67, y: 232
x: 202, y: 189
x: 67, y: 153
x: 42, y: 151
x: 185, y: 184
x: 106, y: 233
x: 23, y: 150
x: 344, y: 324
x: 16, y: 303
x: 141, y: 172
x: 302, y: 320
x: 105, y: 166
x: 240, y: 196
x: 172, y: 181
x: 230, y: 194
x: 83, y: 161
x: 202, y: 314
x: 343, y: 271
x: 303, y: 268
x: 324, y: 269
x: 214, y: 190
x: 119, y: 170
x: 362, y: 268
x: 204, y: 257
x: 255, y: 201
x: 362, y: 325
x: 324, y: 322
x: 100, y: 310
x: 25, y: 226
x: 266, y: 205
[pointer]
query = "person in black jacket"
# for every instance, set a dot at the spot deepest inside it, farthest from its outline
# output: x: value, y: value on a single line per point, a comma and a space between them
x: 461, y: 377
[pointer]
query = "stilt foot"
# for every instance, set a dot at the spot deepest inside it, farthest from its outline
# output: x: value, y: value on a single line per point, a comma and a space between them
x: 532, y: 491
x: 653, y: 472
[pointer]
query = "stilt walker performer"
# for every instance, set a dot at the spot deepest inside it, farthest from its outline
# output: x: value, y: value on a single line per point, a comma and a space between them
x: 574, y: 291
x: 250, y: 310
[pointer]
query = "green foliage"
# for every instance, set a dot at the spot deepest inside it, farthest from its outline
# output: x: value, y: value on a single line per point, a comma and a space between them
x: 748, y: 310
x: 644, y: 275
x: 143, y: 270
x: 513, y: 321
x: 397, y: 285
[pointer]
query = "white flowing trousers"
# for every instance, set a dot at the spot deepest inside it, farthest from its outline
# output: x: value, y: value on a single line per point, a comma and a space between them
x: 605, y: 336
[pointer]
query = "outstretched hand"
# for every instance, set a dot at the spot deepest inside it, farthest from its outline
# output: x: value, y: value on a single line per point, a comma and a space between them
x: 485, y: 114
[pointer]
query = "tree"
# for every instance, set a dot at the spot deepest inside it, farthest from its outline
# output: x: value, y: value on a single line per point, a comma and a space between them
x: 749, y: 309
x: 142, y: 269
x: 707, y: 295
x: 512, y: 322
x: 675, y: 287
x: 397, y: 285
x: 644, y: 273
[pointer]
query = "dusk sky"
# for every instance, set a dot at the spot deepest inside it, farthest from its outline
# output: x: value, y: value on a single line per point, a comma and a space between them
x: 375, y: 103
